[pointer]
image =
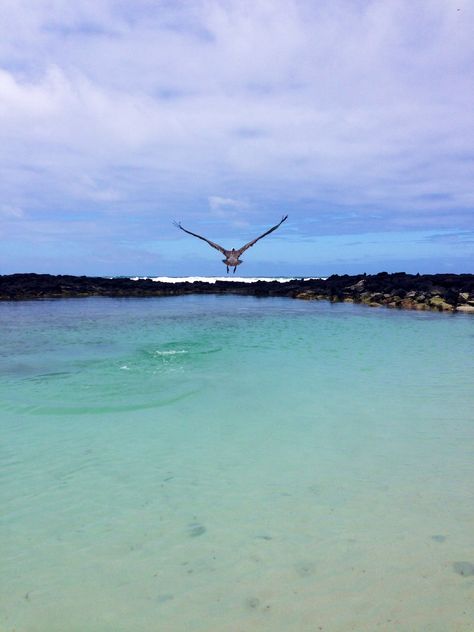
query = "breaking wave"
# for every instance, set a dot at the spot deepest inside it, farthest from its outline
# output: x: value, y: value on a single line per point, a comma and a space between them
x: 192, y: 279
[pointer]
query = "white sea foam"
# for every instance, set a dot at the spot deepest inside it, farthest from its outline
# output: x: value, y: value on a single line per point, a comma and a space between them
x: 191, y: 279
x: 170, y: 352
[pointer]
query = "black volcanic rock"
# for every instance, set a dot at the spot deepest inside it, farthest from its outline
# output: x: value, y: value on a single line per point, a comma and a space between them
x: 441, y: 292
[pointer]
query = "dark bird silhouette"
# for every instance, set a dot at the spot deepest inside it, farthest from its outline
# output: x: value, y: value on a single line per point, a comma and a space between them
x: 232, y: 257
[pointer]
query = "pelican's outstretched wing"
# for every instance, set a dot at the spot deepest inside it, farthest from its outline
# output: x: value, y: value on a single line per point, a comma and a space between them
x: 211, y: 243
x: 254, y: 241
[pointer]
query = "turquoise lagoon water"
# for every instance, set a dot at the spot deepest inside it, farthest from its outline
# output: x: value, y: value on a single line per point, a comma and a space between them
x: 231, y: 464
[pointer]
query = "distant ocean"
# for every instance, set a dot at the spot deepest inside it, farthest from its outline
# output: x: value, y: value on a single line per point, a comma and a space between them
x: 228, y: 463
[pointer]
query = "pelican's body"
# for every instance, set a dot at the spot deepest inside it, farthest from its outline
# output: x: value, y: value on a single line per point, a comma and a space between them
x: 232, y: 257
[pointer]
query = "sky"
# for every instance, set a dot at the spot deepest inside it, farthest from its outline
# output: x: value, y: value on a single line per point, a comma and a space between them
x: 354, y: 117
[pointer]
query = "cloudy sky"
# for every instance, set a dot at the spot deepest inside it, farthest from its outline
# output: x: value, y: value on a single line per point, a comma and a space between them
x: 355, y: 117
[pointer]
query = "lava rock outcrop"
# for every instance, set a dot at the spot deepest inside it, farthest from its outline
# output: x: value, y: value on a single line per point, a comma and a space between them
x: 440, y: 292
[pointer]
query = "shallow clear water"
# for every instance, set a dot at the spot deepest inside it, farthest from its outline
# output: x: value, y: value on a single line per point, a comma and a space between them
x: 230, y: 464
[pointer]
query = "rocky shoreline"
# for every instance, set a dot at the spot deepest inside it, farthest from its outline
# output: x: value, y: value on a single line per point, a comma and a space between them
x: 439, y: 292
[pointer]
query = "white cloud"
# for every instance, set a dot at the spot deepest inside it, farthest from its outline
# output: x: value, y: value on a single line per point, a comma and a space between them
x: 233, y: 211
x: 10, y: 212
x: 240, y: 110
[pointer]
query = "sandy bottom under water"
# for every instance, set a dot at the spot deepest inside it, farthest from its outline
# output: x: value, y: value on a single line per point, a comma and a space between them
x: 170, y: 466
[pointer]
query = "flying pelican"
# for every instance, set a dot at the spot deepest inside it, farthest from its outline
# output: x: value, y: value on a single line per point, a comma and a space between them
x: 232, y: 257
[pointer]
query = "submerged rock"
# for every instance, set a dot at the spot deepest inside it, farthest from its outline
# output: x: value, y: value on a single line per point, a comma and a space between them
x: 438, y: 538
x: 252, y: 602
x: 195, y: 529
x: 466, y: 569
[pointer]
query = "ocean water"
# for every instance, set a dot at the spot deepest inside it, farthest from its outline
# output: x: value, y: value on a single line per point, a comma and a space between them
x: 235, y: 464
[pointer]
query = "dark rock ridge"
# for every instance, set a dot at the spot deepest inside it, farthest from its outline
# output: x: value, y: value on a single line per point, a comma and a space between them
x: 441, y: 292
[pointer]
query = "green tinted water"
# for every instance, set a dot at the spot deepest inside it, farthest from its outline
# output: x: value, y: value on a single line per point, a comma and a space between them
x: 235, y: 464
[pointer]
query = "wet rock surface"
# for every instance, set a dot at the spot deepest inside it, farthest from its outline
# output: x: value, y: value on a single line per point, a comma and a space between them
x: 438, y: 292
